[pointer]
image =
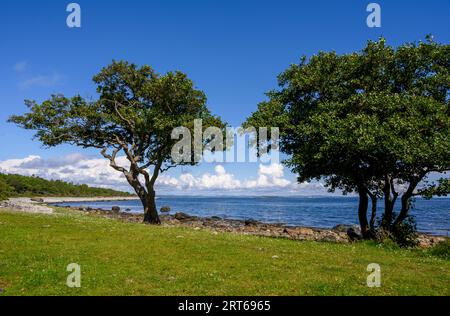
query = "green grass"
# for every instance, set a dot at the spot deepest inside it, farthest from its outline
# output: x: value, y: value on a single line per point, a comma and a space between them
x: 118, y: 258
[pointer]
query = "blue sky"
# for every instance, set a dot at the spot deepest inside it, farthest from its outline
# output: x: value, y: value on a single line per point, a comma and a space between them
x: 233, y: 50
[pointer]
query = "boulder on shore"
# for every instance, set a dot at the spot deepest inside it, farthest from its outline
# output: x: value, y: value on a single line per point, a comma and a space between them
x: 250, y: 222
x: 353, y: 235
x: 342, y: 228
x: 165, y: 209
x: 115, y: 209
x: 182, y: 216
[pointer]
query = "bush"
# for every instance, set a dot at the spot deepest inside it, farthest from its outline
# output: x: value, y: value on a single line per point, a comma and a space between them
x: 441, y: 250
x: 5, y: 190
x: 403, y: 234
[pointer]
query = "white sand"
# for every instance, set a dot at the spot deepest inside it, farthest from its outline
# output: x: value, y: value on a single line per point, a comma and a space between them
x: 87, y: 199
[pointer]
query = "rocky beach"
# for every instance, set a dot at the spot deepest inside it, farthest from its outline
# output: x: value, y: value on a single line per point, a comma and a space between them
x: 339, y: 233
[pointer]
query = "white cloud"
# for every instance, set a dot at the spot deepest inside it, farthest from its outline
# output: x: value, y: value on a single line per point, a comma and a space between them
x: 269, y: 180
x: 21, y: 66
x: 42, y: 81
x: 94, y: 171
x: 72, y: 168
x: 274, y: 170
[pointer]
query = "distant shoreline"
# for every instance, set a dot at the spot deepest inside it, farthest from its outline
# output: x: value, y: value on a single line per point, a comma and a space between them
x: 51, y: 200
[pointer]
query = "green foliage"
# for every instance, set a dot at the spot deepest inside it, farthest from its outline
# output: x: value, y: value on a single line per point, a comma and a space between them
x: 441, y: 188
x: 14, y: 185
x: 441, y: 250
x: 136, y: 112
x: 365, y: 121
x: 404, y: 233
x: 378, y: 111
x: 5, y: 189
x: 135, y: 115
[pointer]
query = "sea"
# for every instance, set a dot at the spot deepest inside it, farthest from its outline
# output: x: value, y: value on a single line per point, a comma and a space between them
x: 431, y: 216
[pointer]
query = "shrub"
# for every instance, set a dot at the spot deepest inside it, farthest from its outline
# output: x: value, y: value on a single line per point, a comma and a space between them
x: 403, y: 234
x: 5, y: 190
x: 441, y: 250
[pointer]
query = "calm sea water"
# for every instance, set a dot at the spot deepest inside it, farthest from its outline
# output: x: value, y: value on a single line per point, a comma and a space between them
x: 432, y: 216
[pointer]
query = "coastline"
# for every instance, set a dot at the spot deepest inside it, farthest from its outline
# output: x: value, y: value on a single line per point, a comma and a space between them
x: 43, y: 204
x: 336, y: 234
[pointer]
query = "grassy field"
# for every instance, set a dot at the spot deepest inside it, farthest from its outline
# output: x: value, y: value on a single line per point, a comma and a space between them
x: 118, y: 258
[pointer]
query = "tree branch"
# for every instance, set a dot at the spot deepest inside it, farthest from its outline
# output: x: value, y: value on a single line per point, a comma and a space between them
x: 130, y: 123
x: 112, y: 159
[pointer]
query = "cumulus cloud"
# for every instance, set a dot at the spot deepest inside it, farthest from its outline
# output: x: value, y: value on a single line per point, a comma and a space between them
x: 77, y: 168
x: 269, y: 180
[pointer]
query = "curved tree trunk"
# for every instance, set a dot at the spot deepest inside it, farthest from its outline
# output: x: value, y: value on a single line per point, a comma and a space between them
x: 406, y: 200
x: 147, y: 197
x: 150, y: 211
x: 406, y: 203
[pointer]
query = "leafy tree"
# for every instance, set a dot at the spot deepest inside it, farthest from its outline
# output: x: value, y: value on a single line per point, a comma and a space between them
x: 135, y: 114
x: 5, y: 189
x: 441, y: 188
x: 365, y: 122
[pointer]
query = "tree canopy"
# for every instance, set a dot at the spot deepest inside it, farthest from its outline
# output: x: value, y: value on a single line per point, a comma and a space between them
x: 375, y: 122
x: 135, y: 114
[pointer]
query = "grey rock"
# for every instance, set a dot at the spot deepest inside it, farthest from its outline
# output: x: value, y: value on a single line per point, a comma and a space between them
x: 353, y: 235
x: 182, y: 216
x: 115, y: 209
x: 250, y: 222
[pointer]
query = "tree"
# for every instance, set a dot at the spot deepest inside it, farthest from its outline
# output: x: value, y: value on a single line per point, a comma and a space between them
x: 5, y: 189
x: 135, y: 114
x: 367, y: 122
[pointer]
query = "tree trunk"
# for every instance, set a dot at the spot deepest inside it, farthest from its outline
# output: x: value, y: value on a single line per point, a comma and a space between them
x: 147, y: 197
x: 362, y: 212
x: 406, y: 203
x: 373, y: 217
x: 406, y: 200
x: 388, y: 205
x: 150, y: 211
